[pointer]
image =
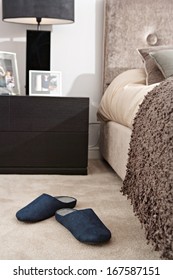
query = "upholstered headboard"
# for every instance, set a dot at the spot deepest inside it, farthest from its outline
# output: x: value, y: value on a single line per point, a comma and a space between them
x: 132, y: 24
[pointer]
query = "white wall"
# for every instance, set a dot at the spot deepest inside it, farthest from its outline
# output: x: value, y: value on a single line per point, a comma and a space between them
x: 76, y: 50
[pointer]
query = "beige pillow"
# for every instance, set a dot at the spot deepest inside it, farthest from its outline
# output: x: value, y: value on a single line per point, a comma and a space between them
x: 121, y: 100
x: 153, y: 73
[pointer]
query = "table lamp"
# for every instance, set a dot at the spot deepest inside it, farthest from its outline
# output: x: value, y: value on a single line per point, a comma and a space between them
x: 39, y: 12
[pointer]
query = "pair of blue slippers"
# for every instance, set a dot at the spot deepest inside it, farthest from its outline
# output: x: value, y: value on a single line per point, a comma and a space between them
x: 84, y: 224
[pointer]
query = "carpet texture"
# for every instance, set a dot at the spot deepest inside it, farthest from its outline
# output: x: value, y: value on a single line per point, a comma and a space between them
x: 49, y: 240
x: 149, y: 178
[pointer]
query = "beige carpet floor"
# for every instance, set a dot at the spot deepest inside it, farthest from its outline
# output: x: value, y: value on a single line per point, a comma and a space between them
x: 48, y: 240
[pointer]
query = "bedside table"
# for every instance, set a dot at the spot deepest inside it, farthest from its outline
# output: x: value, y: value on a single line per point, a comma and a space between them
x: 44, y: 135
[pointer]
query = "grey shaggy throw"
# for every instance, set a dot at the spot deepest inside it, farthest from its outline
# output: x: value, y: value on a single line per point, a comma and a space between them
x: 149, y: 179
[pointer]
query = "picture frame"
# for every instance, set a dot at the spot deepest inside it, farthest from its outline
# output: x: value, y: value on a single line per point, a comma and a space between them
x: 9, y: 78
x: 45, y: 83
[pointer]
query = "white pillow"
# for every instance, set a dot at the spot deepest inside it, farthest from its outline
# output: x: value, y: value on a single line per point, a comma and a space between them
x: 121, y: 100
x: 135, y: 76
x: 116, y: 86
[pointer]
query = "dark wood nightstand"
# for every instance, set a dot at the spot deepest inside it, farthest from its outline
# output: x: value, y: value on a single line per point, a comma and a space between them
x: 44, y: 135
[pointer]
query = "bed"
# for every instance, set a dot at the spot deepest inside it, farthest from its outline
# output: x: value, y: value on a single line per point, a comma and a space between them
x: 136, y: 111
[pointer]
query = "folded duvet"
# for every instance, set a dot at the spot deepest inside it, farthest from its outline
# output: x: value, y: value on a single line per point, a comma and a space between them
x: 122, y: 98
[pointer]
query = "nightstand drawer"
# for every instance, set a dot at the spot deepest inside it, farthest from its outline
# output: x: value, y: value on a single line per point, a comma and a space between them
x: 26, y: 149
x: 48, y: 114
x: 44, y: 135
x: 4, y: 113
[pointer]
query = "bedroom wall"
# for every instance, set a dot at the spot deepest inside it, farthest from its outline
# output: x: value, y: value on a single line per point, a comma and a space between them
x: 76, y: 50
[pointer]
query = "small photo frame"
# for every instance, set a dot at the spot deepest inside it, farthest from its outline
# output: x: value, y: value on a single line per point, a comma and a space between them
x: 9, y: 79
x: 45, y: 83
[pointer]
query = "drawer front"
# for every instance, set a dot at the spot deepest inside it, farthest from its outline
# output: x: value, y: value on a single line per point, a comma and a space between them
x: 56, y: 150
x: 4, y: 113
x: 60, y: 114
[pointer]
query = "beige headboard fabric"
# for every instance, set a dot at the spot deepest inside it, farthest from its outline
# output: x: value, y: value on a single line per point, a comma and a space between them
x: 132, y: 24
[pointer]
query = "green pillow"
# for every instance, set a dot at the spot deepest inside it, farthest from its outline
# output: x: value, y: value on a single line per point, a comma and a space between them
x: 164, y: 61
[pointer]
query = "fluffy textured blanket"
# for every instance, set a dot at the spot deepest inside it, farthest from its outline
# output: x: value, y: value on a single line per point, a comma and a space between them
x: 149, y: 178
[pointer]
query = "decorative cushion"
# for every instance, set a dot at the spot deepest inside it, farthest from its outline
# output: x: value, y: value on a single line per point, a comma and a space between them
x: 164, y: 61
x: 153, y: 73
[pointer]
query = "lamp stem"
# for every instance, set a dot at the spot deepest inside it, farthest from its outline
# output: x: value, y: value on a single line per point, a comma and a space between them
x: 38, y: 19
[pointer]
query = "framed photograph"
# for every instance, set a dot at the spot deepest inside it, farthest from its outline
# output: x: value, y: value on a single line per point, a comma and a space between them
x: 45, y: 83
x: 9, y: 79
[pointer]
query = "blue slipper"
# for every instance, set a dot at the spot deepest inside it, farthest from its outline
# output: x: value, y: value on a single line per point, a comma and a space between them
x: 44, y: 207
x: 84, y: 224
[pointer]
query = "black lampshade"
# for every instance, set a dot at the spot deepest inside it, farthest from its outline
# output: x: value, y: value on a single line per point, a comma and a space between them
x: 30, y: 11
